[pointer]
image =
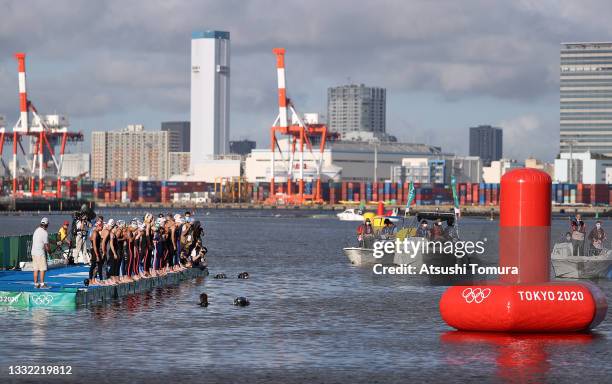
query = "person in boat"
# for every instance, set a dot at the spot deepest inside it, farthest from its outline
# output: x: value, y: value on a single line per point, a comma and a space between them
x: 423, y: 230
x: 578, y: 229
x: 365, y: 233
x: 597, y: 236
x: 568, y: 237
x: 437, y: 232
x: 389, y: 230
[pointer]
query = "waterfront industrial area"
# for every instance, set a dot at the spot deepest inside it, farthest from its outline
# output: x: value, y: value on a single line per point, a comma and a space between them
x: 341, y: 157
x: 316, y: 192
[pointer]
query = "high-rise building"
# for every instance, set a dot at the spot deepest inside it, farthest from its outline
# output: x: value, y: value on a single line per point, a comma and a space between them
x: 242, y: 147
x: 486, y: 142
x: 178, y: 135
x: 178, y: 163
x: 130, y: 153
x: 586, y: 98
x: 356, y: 108
x: 210, y: 82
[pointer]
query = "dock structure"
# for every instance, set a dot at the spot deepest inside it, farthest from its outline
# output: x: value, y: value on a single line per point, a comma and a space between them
x: 67, y: 288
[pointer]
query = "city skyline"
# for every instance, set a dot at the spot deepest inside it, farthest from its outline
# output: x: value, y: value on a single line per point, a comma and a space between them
x: 479, y: 63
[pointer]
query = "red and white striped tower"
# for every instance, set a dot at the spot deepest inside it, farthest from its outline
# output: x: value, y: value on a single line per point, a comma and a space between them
x: 59, y: 171
x: 282, y: 106
x: 23, y: 95
x: 41, y: 181
x: 282, y: 92
x: 301, y: 181
x: 32, y: 179
x: 23, y: 109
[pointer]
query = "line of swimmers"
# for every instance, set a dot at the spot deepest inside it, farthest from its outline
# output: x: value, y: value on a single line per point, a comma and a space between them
x: 124, y: 252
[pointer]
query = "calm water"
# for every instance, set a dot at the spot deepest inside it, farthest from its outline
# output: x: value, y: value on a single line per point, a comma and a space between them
x: 313, y: 318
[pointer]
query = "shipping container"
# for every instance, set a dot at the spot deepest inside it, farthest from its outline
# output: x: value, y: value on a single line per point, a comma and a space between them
x: 495, y: 197
x: 481, y: 196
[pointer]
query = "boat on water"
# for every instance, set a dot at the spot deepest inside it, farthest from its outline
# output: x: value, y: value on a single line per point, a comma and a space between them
x: 364, y: 253
x: 422, y: 254
x: 565, y: 265
x: 360, y: 256
x: 351, y: 214
x: 356, y: 214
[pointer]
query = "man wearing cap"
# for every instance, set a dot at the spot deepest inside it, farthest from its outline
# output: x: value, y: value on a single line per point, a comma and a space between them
x: 40, y: 247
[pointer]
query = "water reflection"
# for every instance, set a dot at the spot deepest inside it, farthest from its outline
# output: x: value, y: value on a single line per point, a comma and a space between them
x: 40, y: 319
x: 517, y: 357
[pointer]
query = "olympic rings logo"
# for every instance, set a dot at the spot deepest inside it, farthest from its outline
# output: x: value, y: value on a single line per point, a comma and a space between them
x: 42, y: 299
x: 475, y: 295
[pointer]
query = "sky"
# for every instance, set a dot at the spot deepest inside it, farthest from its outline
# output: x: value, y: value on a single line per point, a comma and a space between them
x: 446, y: 65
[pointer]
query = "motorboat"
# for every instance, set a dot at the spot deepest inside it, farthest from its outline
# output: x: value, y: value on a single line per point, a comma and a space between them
x: 364, y: 253
x: 360, y: 256
x: 351, y: 214
x: 565, y: 265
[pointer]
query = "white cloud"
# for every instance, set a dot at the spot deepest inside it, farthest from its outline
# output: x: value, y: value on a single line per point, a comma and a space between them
x: 133, y: 57
x: 527, y: 136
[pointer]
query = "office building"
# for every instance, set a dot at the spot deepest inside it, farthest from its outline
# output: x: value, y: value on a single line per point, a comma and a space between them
x: 242, y: 147
x: 131, y: 153
x: 586, y: 98
x: 356, y: 108
x: 348, y: 161
x: 178, y: 163
x: 549, y: 168
x: 178, y: 135
x: 582, y: 167
x: 486, y: 142
x: 419, y: 170
x: 493, y: 173
x: 438, y: 170
x: 210, y: 82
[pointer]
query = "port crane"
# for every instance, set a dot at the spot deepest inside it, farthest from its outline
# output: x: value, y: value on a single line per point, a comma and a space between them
x: 44, y: 131
x: 300, y: 135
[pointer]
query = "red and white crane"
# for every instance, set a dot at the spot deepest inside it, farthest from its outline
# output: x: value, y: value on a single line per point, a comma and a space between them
x: 299, y: 135
x: 41, y: 130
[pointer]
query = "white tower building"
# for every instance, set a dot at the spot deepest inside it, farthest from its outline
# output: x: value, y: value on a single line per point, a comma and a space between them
x: 210, y: 79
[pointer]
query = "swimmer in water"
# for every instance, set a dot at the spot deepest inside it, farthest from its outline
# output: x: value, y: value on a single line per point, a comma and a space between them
x: 203, y: 300
x: 241, y: 301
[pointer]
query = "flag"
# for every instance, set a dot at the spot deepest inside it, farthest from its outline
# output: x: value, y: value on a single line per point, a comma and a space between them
x: 411, y: 195
x: 455, y: 197
x: 362, y: 206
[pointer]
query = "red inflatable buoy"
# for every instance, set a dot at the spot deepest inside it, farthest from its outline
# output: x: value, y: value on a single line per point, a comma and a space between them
x: 545, y: 307
x: 524, y: 225
x: 527, y: 301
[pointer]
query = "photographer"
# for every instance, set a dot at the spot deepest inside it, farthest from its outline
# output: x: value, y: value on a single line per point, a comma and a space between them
x: 80, y: 228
